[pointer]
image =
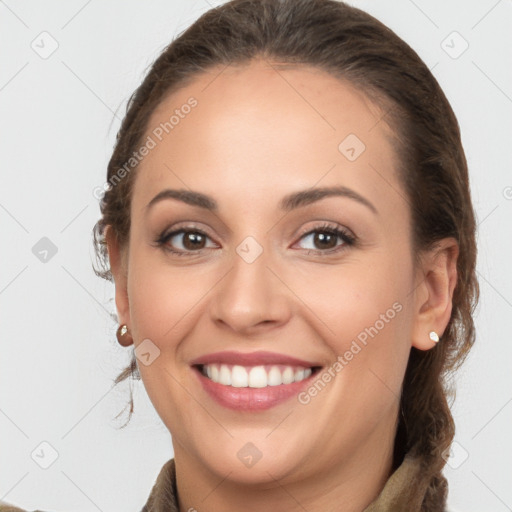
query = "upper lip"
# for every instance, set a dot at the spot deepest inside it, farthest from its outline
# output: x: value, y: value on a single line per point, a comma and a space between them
x: 252, y: 359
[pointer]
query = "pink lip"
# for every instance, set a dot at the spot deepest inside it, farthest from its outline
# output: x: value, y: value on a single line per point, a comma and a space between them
x: 251, y: 399
x: 252, y: 359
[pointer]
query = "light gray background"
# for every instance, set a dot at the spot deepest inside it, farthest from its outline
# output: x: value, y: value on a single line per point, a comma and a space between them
x: 58, y: 355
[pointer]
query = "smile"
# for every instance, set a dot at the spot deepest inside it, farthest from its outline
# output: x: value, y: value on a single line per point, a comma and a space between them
x: 252, y: 389
x: 254, y: 376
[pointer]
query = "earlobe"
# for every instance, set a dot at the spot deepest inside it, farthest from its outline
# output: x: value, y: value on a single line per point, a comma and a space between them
x: 434, y: 294
x: 118, y: 269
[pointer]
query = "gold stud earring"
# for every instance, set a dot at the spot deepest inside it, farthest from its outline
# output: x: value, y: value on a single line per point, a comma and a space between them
x: 123, y: 336
x: 433, y: 336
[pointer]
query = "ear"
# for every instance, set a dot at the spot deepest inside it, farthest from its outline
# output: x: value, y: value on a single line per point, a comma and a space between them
x: 119, y: 270
x: 435, y: 282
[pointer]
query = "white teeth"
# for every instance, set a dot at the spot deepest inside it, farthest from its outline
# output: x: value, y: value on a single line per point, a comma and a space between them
x: 288, y: 375
x: 239, y: 377
x: 225, y: 375
x: 274, y: 377
x: 299, y: 375
x: 258, y: 377
x: 255, y: 376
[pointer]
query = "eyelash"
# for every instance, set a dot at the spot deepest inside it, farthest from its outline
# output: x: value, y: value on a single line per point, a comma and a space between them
x: 348, y: 239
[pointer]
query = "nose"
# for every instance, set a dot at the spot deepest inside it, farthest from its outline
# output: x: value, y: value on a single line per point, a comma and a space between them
x: 252, y: 298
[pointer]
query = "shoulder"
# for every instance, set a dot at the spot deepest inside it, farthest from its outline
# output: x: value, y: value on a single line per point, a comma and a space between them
x: 163, y: 496
x: 6, y: 507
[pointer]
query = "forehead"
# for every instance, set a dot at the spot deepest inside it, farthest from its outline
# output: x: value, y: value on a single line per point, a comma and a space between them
x: 264, y: 128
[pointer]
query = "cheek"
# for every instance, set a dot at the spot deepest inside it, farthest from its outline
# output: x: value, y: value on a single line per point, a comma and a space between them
x: 369, y: 355
x: 162, y: 297
x: 164, y: 302
x: 361, y: 311
x: 353, y: 296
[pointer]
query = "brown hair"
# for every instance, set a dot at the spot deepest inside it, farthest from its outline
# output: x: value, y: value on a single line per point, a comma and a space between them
x: 353, y: 46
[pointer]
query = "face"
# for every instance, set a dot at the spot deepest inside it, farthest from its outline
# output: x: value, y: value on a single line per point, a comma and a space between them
x: 262, y: 273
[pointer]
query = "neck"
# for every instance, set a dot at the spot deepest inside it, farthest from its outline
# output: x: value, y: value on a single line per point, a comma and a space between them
x: 350, y: 485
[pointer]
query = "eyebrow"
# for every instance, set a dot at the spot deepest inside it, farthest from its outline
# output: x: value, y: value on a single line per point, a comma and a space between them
x: 288, y: 203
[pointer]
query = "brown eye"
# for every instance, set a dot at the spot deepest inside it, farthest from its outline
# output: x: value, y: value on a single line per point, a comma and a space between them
x: 193, y: 240
x: 185, y: 241
x: 325, y: 239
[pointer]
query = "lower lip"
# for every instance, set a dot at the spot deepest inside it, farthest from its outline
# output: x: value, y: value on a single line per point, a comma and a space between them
x: 251, y: 399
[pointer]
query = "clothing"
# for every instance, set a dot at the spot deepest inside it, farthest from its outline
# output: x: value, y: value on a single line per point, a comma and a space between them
x: 404, y: 491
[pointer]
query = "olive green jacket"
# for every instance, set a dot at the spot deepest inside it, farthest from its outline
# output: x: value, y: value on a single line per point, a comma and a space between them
x: 405, y: 491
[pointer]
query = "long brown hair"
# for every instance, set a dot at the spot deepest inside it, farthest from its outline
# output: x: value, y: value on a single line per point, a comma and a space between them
x: 354, y: 46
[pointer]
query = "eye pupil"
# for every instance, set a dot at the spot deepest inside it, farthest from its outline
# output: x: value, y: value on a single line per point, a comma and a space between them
x: 322, y: 237
x: 193, y: 240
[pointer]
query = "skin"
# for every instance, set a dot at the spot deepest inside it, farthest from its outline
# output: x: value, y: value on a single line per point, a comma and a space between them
x: 258, y: 133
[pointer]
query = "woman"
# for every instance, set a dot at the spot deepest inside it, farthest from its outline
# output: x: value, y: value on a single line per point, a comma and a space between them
x: 289, y: 227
